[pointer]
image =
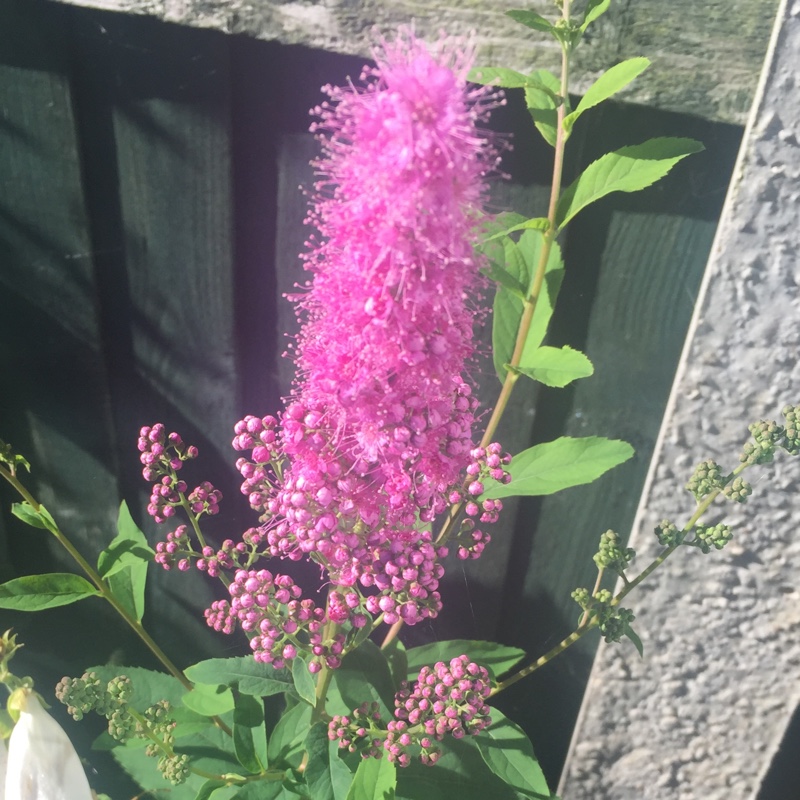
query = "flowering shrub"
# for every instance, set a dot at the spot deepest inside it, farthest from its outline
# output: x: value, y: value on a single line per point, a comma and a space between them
x: 374, y: 470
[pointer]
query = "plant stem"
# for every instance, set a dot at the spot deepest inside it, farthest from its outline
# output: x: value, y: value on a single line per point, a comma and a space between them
x: 586, y: 624
x: 107, y: 594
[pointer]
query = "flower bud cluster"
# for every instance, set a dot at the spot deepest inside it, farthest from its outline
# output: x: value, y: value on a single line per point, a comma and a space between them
x: 706, y: 478
x: 667, y: 533
x: 447, y: 699
x: 227, y: 557
x: 357, y: 732
x: 160, y: 453
x: 109, y: 700
x: 616, y: 624
x: 261, y: 436
x: 205, y: 499
x: 716, y: 536
x: 176, y: 550
x: 269, y: 607
x: 791, y: 442
x: 738, y: 490
x: 161, y: 724
x: 611, y: 554
x: 486, y: 463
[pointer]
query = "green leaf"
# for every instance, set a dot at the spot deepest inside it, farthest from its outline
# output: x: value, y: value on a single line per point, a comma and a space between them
x: 191, y: 729
x: 40, y: 518
x: 397, y: 658
x: 553, y: 466
x: 460, y: 773
x: 215, y: 790
x: 531, y: 19
x: 267, y: 790
x: 248, y: 675
x: 498, y: 76
x: 38, y: 592
x: 542, y: 99
x: 497, y: 658
x: 502, y: 276
x: 124, y: 564
x: 508, y: 752
x: 375, y: 779
x: 128, y: 549
x: 535, y: 223
x: 554, y: 366
x: 522, y: 259
x: 286, y: 741
x: 608, y: 84
x: 304, y: 681
x: 208, y: 700
x: 594, y: 9
x: 364, y: 676
x: 357, y: 636
x: 327, y: 776
x: 633, y: 636
x: 628, y: 169
x: 249, y: 733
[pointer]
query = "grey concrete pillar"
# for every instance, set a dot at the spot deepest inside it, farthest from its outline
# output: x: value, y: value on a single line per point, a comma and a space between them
x: 701, y: 716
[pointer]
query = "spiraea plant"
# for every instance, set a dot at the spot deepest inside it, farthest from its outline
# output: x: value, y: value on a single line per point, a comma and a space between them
x: 380, y: 466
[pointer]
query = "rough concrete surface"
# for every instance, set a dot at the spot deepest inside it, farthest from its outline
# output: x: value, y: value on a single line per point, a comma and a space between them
x: 700, y: 717
x: 705, y: 55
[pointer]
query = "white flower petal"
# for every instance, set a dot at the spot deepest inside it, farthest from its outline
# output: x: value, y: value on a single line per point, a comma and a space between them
x: 42, y: 763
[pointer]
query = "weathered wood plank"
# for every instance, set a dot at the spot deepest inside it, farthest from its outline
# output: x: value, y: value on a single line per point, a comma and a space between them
x: 706, y: 55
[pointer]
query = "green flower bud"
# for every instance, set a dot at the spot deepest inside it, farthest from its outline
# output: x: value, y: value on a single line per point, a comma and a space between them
x: 667, y: 533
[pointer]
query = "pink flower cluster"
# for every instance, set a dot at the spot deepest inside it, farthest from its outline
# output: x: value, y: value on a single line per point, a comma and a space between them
x: 388, y: 316
x: 447, y: 699
x: 269, y: 607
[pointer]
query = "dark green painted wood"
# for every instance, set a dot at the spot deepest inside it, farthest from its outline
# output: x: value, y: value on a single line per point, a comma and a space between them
x: 634, y: 264
x: 150, y: 220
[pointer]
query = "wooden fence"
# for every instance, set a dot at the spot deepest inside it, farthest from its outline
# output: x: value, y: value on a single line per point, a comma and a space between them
x: 149, y: 222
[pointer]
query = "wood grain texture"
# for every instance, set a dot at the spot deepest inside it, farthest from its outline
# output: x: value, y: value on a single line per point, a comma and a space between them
x: 706, y: 56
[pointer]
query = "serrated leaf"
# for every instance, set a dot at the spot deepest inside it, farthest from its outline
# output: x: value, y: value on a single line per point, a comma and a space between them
x: 286, y: 741
x: 497, y: 658
x: 542, y: 99
x: 36, y: 518
x: 327, y: 776
x: 38, y: 592
x: 555, y: 366
x: 128, y: 549
x: 535, y: 223
x: 248, y: 675
x: 303, y: 681
x: 553, y: 466
x: 634, y: 637
x: 522, y: 258
x: 531, y: 20
x: 249, y: 733
x: 124, y: 563
x: 594, y: 9
x: 375, y: 779
x: 628, y: 169
x: 209, y: 700
x: 509, y: 754
x: 607, y: 85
